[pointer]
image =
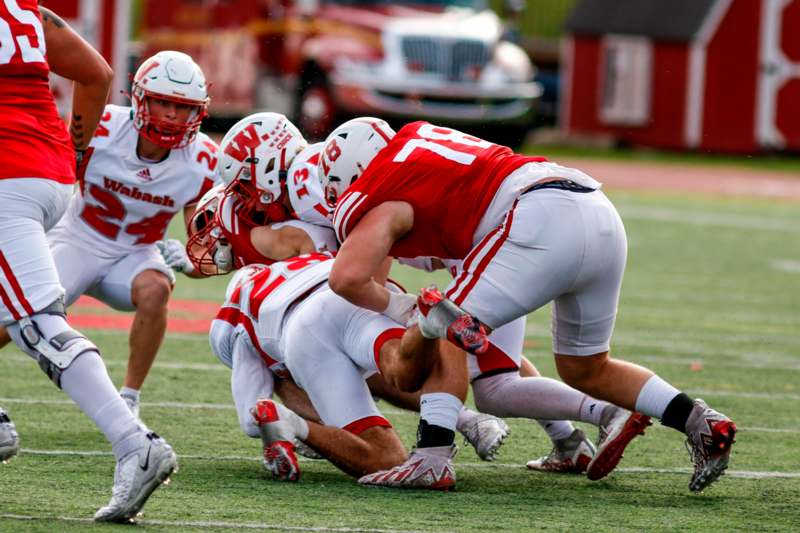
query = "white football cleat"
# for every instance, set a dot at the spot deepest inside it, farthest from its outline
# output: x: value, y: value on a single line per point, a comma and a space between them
x: 9, y: 438
x: 571, y: 455
x: 136, y: 476
x: 486, y: 434
x: 277, y: 437
x: 425, y: 468
x: 616, y: 432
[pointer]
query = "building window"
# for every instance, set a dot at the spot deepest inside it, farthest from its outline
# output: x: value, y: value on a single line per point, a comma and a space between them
x: 626, y: 80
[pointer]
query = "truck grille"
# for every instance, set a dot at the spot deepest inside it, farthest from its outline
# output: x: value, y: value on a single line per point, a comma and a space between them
x: 453, y: 59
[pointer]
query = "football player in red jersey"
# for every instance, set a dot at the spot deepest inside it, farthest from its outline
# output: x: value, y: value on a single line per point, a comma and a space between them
x: 530, y: 232
x: 37, y: 173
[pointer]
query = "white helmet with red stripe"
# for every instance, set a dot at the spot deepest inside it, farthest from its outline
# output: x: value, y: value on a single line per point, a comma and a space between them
x: 348, y: 151
x: 172, y: 76
x: 256, y: 154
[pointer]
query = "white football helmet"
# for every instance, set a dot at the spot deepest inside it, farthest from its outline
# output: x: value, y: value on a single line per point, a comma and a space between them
x: 348, y: 151
x: 255, y: 156
x: 172, y: 76
x: 206, y: 247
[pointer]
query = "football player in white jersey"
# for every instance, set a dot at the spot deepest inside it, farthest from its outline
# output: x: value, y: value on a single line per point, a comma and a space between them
x: 330, y: 360
x: 145, y: 164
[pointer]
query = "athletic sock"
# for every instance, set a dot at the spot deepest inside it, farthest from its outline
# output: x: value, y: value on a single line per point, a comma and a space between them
x: 86, y: 381
x: 677, y: 412
x: 298, y: 423
x: 439, y: 412
x: 592, y: 410
x: 654, y: 397
x: 557, y: 429
x: 127, y: 392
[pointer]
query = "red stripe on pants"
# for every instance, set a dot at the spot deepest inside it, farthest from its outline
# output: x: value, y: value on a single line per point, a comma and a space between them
x: 14, y: 285
x: 488, y: 257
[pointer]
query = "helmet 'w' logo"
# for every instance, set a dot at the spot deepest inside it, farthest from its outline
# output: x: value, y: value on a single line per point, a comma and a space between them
x: 144, y: 174
x: 244, y: 141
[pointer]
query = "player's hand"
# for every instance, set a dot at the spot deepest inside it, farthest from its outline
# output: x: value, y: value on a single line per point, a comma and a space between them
x: 401, y: 308
x: 174, y: 253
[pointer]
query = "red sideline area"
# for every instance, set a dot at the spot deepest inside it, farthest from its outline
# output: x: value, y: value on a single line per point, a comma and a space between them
x: 200, y: 313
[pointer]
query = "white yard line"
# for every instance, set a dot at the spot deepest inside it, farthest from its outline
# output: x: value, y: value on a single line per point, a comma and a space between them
x: 745, y: 474
x: 692, y: 356
x: 212, y: 524
x: 703, y: 218
x: 116, y: 363
x: 786, y: 265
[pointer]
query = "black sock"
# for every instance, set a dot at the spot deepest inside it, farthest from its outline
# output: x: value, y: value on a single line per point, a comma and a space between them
x: 677, y: 412
x: 429, y: 435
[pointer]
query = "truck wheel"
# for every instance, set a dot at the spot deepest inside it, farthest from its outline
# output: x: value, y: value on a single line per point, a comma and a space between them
x: 316, y: 111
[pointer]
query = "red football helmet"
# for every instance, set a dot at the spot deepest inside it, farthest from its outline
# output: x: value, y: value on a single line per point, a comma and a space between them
x: 206, y: 247
x: 175, y: 77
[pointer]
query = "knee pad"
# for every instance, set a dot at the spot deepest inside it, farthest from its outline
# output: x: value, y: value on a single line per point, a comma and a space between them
x: 47, y: 337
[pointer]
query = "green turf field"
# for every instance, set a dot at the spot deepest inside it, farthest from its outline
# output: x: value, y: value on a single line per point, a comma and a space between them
x: 711, y: 301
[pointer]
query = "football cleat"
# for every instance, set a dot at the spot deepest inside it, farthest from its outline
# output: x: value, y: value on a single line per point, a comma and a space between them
x: 709, y: 438
x: 301, y: 448
x: 616, y: 432
x: 425, y: 468
x: 441, y: 318
x: 9, y: 438
x: 486, y: 434
x: 277, y: 437
x: 571, y: 455
x: 136, y: 476
x: 133, y: 404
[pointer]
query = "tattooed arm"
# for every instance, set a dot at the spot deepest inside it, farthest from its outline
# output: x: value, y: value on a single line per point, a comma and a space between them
x: 73, y: 58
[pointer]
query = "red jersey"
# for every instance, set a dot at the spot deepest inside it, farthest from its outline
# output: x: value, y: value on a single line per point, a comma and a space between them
x: 33, y: 139
x: 448, y: 177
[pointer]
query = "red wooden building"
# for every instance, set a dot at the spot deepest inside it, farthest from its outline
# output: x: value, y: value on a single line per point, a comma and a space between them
x: 716, y: 75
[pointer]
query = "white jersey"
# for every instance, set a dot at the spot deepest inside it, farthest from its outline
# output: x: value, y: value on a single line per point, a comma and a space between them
x: 266, y: 297
x: 305, y: 191
x: 125, y: 202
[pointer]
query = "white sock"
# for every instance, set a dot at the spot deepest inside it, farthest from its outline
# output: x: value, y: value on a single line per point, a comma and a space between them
x: 655, y: 396
x: 130, y: 393
x: 440, y: 409
x: 591, y: 410
x: 557, y: 429
x: 86, y: 381
x: 298, y: 423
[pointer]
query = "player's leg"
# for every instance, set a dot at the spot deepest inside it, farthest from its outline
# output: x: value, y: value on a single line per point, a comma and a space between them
x: 315, y: 341
x: 78, y: 268
x: 583, y: 321
x: 33, y: 311
x: 139, y: 282
x: 251, y: 381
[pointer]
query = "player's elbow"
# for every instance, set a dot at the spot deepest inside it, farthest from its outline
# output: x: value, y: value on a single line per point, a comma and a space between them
x: 102, y: 74
x: 344, y: 284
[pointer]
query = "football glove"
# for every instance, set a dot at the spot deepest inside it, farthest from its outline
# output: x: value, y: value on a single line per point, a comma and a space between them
x: 174, y: 254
